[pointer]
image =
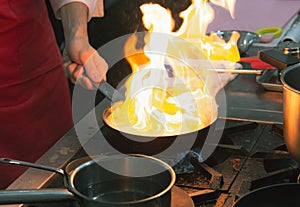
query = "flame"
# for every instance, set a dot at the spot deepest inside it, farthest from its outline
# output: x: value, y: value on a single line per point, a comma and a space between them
x: 166, y: 95
x: 195, y: 21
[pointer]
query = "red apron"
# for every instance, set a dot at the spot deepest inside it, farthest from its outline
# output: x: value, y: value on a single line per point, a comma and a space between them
x: 35, y: 108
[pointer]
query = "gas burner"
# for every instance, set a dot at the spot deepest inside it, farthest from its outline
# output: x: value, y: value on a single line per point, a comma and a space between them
x: 285, y: 162
x: 279, y: 166
x: 277, y: 159
x: 203, y: 177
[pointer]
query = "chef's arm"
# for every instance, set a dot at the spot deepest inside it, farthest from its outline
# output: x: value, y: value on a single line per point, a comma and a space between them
x: 82, y: 63
x: 74, y: 17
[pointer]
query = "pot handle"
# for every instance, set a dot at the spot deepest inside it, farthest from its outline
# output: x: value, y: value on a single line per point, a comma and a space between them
x: 35, y: 196
x: 33, y: 165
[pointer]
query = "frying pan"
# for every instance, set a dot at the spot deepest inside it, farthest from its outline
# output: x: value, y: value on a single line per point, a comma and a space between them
x: 104, y: 181
x: 148, y: 145
x: 161, y: 145
x: 279, y: 195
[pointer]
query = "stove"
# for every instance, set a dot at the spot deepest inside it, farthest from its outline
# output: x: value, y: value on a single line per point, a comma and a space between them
x: 250, y: 155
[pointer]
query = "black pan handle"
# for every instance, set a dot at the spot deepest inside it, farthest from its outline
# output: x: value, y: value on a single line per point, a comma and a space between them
x: 33, y: 165
x: 35, y: 196
x: 277, y: 58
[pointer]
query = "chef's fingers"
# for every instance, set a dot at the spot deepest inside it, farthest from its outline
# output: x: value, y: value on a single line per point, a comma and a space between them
x: 77, y: 73
x: 96, y: 67
x: 66, y: 69
x: 73, y: 71
x: 79, y: 77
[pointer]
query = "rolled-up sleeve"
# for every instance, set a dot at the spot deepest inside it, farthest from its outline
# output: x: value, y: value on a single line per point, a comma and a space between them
x: 95, y: 7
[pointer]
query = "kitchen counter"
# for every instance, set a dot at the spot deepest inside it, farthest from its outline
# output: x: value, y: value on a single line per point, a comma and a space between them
x: 247, y: 100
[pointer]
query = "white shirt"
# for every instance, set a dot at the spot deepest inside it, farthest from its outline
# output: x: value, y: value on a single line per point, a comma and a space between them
x: 95, y: 7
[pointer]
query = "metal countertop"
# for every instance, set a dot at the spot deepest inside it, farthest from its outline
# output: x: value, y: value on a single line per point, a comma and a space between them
x: 247, y: 100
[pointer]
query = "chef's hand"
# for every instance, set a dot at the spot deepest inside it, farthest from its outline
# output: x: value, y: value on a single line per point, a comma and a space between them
x: 82, y: 63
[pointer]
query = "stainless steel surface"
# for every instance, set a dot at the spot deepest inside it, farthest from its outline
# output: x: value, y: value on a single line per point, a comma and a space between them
x: 291, y: 109
x: 248, y: 101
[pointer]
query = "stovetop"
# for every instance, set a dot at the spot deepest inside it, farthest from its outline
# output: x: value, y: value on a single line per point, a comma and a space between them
x: 249, y: 156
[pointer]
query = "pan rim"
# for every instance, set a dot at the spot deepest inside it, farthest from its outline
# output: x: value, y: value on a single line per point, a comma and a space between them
x: 92, y: 161
x: 150, y: 136
x: 262, y: 189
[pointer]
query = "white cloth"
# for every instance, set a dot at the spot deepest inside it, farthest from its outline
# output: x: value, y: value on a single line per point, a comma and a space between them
x: 95, y: 7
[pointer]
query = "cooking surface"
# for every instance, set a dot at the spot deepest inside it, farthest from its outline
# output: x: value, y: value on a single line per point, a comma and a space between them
x: 249, y: 101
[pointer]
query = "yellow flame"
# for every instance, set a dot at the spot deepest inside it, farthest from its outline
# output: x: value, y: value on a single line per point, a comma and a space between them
x: 160, y: 103
x: 195, y: 22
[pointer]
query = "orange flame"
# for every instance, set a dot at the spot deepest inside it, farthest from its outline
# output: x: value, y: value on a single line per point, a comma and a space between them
x: 157, y: 102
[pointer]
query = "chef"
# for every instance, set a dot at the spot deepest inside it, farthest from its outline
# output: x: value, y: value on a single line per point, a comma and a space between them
x: 35, y: 108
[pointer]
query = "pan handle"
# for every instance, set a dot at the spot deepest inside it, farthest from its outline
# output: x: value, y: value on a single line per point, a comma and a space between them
x: 33, y: 165
x: 35, y: 196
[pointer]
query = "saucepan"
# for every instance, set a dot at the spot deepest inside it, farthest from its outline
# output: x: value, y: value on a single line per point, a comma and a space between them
x: 133, y: 180
x: 290, y: 78
x: 289, y: 75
